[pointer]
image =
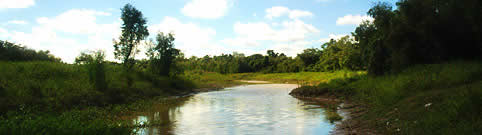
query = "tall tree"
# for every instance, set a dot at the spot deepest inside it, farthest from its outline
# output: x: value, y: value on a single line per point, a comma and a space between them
x: 134, y: 30
x: 163, y: 54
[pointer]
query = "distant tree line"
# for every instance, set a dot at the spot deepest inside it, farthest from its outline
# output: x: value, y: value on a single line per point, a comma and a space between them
x: 334, y: 55
x: 239, y: 63
x: 417, y: 32
x: 14, y: 52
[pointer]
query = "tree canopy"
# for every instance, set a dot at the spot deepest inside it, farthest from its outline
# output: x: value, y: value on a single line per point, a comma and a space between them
x: 134, y: 30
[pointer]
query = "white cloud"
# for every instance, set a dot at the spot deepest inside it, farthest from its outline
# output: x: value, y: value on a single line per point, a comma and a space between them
x: 19, y: 22
x: 279, y: 11
x: 3, y: 33
x: 260, y: 31
x: 291, y: 48
x: 240, y: 42
x: 332, y: 36
x: 289, y: 37
x: 352, y: 19
x: 299, y: 13
x: 77, y: 21
x: 16, y: 3
x: 85, y: 33
x: 192, y: 39
x: 206, y: 9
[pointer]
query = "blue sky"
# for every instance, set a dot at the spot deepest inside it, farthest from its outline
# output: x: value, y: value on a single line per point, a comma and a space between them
x: 201, y: 27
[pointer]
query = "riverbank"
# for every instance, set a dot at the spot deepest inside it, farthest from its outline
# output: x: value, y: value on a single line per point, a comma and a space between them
x: 33, y: 95
x: 424, y: 99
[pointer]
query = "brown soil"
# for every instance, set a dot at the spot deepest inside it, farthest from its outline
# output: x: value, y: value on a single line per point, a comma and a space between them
x: 352, y: 123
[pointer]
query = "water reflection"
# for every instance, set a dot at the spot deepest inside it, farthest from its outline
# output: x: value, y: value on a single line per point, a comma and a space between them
x: 250, y: 109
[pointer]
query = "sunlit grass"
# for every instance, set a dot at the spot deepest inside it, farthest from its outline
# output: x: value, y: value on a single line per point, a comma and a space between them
x: 424, y: 99
x: 58, y: 98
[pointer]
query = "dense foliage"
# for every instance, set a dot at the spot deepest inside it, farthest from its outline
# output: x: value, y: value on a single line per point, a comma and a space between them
x: 134, y: 30
x: 335, y: 55
x: 417, y: 32
x: 162, y: 55
x: 438, y: 99
x: 13, y: 52
x: 239, y: 63
x: 420, y: 32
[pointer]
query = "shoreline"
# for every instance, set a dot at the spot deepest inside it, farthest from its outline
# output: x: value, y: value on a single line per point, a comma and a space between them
x: 351, y: 124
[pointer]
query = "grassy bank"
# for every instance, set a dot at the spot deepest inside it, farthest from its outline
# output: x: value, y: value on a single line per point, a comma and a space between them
x: 424, y: 99
x: 61, y: 86
x: 306, y: 78
x: 203, y: 79
x: 210, y: 80
x: 51, y: 97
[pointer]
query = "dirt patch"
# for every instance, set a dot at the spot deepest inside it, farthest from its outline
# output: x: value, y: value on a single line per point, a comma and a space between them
x: 352, y: 123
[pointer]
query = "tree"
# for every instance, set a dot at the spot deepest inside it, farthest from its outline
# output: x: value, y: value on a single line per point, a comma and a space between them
x: 13, y: 52
x: 310, y: 57
x: 271, y: 53
x: 340, y: 54
x: 94, y: 62
x: 163, y: 54
x: 134, y: 30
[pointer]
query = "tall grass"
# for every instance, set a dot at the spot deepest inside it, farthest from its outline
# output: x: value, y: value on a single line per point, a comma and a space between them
x: 203, y: 79
x: 308, y: 78
x: 431, y: 99
x: 87, y: 121
x: 424, y: 99
x: 58, y: 96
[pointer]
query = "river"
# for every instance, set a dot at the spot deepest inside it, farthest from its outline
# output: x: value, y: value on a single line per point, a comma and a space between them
x: 260, y: 109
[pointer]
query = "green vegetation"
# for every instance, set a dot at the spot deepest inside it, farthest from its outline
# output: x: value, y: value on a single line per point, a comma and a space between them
x: 332, y: 116
x: 41, y: 95
x: 134, y: 30
x: 420, y: 32
x: 304, y: 78
x: 203, y: 79
x: 420, y: 78
x: 408, y: 68
x: 424, y: 99
x: 87, y: 121
x: 62, y: 86
x: 163, y: 54
x: 12, y: 52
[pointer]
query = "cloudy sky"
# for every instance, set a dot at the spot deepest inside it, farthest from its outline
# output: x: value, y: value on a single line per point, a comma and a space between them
x: 201, y: 27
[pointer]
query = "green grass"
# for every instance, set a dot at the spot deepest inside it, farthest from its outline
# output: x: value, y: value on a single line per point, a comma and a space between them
x: 424, y: 99
x: 86, y: 121
x: 203, y: 79
x: 332, y: 115
x: 306, y: 78
x: 57, y: 98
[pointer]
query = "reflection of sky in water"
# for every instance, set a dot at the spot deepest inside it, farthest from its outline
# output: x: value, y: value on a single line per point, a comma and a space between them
x: 251, y: 109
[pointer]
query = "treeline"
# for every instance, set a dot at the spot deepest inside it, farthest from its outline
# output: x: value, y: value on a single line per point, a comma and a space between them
x: 420, y: 32
x: 14, y: 52
x: 37, y: 78
x: 334, y: 55
x: 417, y: 32
x: 239, y: 63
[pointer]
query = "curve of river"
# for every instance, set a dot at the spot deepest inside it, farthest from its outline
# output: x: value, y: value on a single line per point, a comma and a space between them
x: 259, y: 109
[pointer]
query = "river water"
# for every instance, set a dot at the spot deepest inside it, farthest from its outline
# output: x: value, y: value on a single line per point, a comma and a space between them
x: 261, y: 109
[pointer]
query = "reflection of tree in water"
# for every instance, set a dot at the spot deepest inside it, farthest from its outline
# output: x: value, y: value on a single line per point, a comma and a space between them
x: 161, y: 117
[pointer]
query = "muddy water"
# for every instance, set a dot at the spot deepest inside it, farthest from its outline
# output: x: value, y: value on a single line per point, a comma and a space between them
x: 261, y: 109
